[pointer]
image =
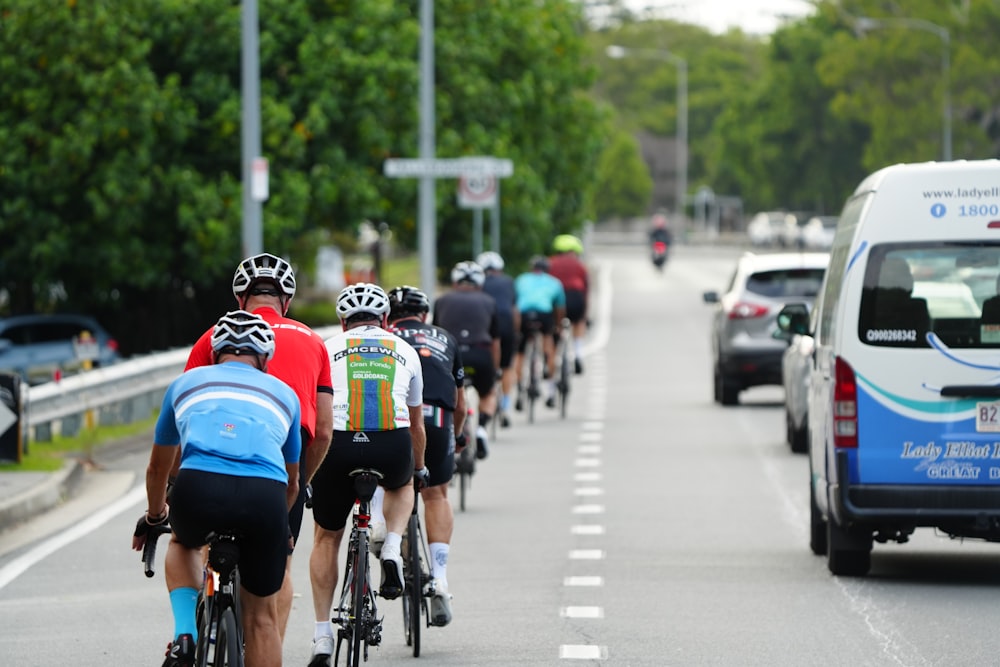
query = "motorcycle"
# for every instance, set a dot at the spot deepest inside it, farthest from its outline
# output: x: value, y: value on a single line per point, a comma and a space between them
x: 659, y: 254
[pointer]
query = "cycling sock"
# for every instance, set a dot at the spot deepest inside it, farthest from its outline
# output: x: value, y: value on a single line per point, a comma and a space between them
x: 551, y: 384
x: 484, y: 419
x: 505, y: 403
x: 578, y: 348
x: 183, y: 602
x: 376, y: 506
x: 439, y: 561
x: 322, y: 629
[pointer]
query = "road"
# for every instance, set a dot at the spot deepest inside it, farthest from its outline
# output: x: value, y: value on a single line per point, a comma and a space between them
x: 651, y: 527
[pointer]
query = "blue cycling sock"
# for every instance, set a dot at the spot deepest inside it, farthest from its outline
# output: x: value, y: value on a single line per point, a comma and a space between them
x: 183, y: 602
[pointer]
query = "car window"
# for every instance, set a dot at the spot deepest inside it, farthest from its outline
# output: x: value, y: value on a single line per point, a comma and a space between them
x: 43, y: 332
x: 781, y: 283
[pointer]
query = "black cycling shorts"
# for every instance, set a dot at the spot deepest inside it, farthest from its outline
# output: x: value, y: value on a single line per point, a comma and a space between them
x: 508, y: 339
x: 253, y: 508
x: 439, y: 457
x: 479, y: 368
x: 533, y: 320
x: 389, y: 452
x: 576, y: 305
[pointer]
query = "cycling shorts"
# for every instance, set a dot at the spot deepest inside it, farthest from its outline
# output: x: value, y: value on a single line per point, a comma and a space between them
x: 508, y: 339
x: 389, y: 452
x: 440, y: 453
x: 576, y: 305
x: 531, y: 321
x: 253, y: 508
x: 479, y: 368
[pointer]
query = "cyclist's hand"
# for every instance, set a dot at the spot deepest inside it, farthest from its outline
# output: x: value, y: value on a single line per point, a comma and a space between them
x: 460, y: 441
x: 143, y: 526
x: 422, y: 478
x: 309, y: 496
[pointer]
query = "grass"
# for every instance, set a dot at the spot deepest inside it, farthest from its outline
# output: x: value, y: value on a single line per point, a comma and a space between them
x: 50, y: 456
x: 401, y: 271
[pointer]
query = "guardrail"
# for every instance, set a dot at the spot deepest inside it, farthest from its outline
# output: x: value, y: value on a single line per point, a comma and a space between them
x: 126, y: 392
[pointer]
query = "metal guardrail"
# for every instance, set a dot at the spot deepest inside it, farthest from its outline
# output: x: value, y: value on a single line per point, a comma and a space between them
x: 126, y: 392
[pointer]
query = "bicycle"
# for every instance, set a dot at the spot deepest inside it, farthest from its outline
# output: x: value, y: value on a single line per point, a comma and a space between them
x: 465, y: 461
x: 563, y: 383
x: 356, y: 613
x: 219, y: 621
x: 416, y: 578
x: 535, y: 358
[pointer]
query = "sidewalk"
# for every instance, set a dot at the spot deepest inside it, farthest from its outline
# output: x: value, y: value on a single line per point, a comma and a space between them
x: 24, y: 495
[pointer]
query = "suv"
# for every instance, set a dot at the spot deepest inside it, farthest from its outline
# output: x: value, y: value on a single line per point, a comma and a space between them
x: 746, y: 343
x: 36, y: 347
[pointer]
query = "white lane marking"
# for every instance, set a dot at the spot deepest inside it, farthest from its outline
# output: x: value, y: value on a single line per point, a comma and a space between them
x: 19, y: 565
x: 583, y: 652
x: 586, y: 554
x: 591, y: 437
x: 588, y: 491
x: 588, y: 509
x: 583, y: 581
x: 588, y: 449
x: 592, y: 426
x: 581, y: 612
x: 587, y: 463
x: 586, y: 529
x: 587, y: 477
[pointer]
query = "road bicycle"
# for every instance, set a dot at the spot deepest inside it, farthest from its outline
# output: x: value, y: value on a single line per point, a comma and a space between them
x: 416, y: 578
x: 465, y: 461
x: 565, y: 365
x: 219, y: 620
x: 356, y: 613
x: 534, y: 360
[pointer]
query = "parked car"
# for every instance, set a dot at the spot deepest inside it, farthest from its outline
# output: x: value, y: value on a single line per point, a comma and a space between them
x: 745, y: 350
x: 796, y: 364
x: 817, y: 233
x: 36, y: 347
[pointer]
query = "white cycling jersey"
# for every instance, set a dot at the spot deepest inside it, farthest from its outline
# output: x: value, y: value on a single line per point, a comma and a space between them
x: 376, y: 379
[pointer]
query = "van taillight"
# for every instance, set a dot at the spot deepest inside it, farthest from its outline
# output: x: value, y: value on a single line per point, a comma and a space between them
x: 845, y: 405
x: 746, y: 311
x: 112, y: 345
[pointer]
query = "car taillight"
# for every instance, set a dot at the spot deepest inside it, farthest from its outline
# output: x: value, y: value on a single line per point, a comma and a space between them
x: 845, y: 405
x: 746, y: 311
x: 112, y: 344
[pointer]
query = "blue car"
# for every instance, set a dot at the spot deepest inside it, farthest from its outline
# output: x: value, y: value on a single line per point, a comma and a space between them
x: 40, y: 348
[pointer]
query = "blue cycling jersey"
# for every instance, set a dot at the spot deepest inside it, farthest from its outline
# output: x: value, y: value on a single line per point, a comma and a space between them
x: 540, y: 292
x: 231, y: 419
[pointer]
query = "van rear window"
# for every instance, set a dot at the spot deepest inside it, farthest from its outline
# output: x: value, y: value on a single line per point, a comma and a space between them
x: 786, y: 282
x: 916, y: 293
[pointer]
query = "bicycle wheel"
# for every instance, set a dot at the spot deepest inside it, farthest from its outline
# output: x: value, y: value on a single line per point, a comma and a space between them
x: 534, y: 390
x: 228, y: 652
x: 466, y: 460
x: 414, y: 586
x: 563, y: 381
x: 358, y: 596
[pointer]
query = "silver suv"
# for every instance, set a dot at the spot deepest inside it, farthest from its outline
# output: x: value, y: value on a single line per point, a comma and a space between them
x: 37, y: 347
x: 747, y: 346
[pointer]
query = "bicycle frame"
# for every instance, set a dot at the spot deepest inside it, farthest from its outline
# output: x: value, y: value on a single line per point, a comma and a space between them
x: 219, y: 598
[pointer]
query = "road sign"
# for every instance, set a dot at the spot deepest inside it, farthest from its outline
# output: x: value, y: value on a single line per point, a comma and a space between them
x: 447, y: 167
x: 477, y: 191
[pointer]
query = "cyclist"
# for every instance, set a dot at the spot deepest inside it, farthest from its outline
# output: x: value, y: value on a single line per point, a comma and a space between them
x: 444, y: 414
x: 265, y: 285
x: 378, y: 423
x: 500, y: 286
x: 470, y: 315
x: 567, y: 266
x: 542, y: 301
x: 237, y: 429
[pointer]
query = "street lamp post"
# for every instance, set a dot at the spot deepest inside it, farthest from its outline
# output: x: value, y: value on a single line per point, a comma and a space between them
x: 615, y: 51
x: 863, y: 24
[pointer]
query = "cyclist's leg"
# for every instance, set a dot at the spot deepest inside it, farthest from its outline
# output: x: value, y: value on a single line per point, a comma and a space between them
x: 439, y: 519
x: 391, y: 453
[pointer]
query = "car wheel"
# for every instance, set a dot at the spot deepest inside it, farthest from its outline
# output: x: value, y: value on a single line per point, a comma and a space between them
x: 817, y: 527
x: 797, y: 437
x: 726, y: 391
x: 717, y: 384
x: 849, y: 550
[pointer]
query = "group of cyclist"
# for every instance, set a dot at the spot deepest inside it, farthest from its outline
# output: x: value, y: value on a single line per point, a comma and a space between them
x: 266, y: 410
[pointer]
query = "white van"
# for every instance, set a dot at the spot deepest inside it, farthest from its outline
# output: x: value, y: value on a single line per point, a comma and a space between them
x: 904, y: 398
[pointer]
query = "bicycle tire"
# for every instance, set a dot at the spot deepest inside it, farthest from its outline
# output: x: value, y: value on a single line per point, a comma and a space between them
x: 413, y: 593
x: 563, y: 382
x: 203, y: 617
x: 228, y: 652
x: 359, y: 636
x: 463, y: 477
x: 533, y: 382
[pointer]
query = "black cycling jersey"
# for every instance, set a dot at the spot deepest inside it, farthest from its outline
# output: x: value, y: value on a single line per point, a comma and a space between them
x: 501, y: 287
x: 440, y: 360
x: 470, y: 316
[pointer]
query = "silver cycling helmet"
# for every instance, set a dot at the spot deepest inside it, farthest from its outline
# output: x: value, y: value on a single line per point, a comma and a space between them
x: 264, y: 267
x: 362, y: 298
x: 469, y: 272
x: 241, y: 331
x: 490, y: 261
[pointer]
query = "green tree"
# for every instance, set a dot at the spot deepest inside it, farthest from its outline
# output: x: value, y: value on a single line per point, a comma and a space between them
x: 624, y: 183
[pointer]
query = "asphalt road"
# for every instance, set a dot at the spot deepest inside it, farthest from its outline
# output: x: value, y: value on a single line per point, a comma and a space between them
x: 651, y: 527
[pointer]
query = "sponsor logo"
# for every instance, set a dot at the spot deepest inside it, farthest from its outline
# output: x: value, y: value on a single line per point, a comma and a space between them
x: 361, y: 436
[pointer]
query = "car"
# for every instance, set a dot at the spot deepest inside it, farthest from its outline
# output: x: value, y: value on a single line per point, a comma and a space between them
x: 40, y: 347
x: 767, y: 228
x: 817, y: 233
x: 796, y: 364
x: 745, y: 350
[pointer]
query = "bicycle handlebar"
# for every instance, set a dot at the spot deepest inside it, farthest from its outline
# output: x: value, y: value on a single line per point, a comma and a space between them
x: 149, y: 548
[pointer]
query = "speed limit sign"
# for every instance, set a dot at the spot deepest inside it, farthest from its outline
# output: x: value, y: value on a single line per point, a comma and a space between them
x: 477, y: 191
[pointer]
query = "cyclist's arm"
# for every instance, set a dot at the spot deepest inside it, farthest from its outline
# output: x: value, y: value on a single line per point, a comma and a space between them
x: 460, y: 410
x: 292, y: 451
x: 320, y: 444
x: 418, y: 436
x: 161, y: 461
x: 292, y: 492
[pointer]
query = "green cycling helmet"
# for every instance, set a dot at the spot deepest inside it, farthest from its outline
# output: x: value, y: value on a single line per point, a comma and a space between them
x: 567, y: 243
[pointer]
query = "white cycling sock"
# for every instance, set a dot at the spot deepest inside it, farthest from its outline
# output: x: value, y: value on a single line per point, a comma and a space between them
x: 578, y: 348
x: 551, y: 383
x: 376, y: 505
x: 439, y: 561
x: 392, y: 543
x: 322, y: 629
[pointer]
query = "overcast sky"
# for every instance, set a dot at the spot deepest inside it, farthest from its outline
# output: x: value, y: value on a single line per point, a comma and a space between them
x: 753, y: 16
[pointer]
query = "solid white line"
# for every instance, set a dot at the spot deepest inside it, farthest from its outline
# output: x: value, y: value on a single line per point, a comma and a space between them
x: 18, y: 566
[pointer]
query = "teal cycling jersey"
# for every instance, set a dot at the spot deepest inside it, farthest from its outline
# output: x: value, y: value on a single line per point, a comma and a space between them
x: 231, y: 419
x: 539, y: 292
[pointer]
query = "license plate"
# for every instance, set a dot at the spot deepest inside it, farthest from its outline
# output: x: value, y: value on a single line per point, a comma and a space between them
x: 988, y: 417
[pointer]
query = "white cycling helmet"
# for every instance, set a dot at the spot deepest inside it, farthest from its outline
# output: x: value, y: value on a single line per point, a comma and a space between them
x: 264, y: 267
x: 490, y: 261
x: 241, y: 331
x: 362, y: 298
x: 468, y: 272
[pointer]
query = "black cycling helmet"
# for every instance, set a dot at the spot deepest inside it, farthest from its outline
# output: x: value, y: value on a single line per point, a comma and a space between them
x: 406, y: 300
x: 540, y: 263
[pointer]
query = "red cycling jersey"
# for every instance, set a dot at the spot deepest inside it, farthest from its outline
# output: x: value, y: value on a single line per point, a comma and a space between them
x: 570, y: 271
x: 300, y: 360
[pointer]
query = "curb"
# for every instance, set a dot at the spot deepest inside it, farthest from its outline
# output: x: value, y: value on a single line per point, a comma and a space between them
x: 42, y: 497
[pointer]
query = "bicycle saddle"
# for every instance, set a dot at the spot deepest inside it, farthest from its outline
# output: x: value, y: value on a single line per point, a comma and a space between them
x: 365, y: 482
